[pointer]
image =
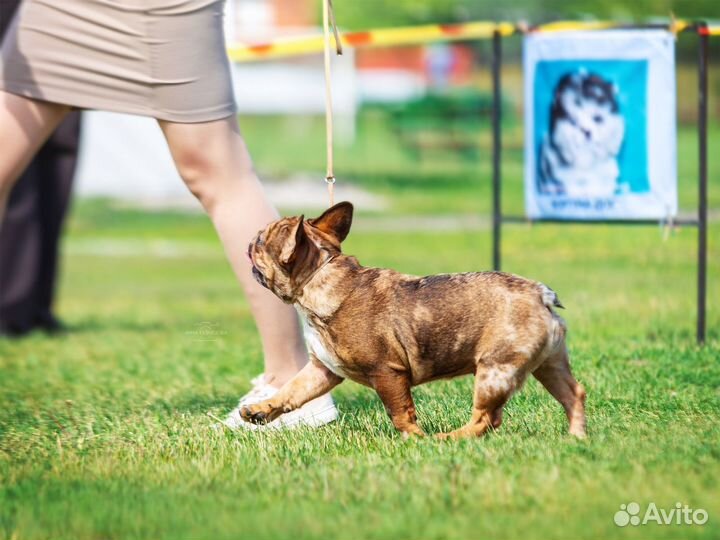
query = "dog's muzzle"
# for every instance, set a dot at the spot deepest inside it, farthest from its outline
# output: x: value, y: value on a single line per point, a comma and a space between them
x: 257, y: 274
x: 259, y: 277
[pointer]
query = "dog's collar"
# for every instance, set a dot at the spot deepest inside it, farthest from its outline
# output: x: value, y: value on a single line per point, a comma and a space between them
x: 300, y: 288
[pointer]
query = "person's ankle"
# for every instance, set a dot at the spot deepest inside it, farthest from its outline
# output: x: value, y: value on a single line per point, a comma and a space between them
x: 277, y: 380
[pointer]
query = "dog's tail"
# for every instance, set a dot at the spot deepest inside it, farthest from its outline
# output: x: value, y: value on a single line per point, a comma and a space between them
x: 550, y: 297
x: 558, y: 327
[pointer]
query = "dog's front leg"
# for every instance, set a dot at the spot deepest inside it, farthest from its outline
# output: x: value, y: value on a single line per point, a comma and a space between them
x: 394, y: 391
x: 310, y: 382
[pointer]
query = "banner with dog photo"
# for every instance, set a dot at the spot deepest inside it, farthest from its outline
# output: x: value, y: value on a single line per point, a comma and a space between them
x: 600, y: 136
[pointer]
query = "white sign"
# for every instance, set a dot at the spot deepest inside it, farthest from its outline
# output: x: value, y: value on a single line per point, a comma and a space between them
x: 600, y: 125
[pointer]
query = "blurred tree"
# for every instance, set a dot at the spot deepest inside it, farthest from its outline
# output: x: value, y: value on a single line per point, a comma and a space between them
x: 373, y: 13
x: 361, y: 14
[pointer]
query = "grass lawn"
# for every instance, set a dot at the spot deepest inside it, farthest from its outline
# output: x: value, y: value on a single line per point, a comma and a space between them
x: 439, y: 181
x: 104, y: 433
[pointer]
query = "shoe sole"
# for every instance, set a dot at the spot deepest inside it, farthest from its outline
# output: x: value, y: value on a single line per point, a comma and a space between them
x: 313, y: 420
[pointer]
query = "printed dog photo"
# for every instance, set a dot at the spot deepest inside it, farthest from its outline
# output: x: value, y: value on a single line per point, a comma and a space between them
x: 579, y: 155
x: 391, y: 331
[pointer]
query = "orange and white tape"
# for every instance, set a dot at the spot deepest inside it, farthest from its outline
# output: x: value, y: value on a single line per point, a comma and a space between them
x: 384, y: 37
x: 415, y: 35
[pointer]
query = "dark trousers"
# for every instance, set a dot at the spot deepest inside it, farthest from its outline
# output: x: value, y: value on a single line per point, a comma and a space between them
x: 30, y: 231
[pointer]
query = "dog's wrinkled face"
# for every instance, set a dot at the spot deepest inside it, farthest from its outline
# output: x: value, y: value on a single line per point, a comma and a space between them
x: 289, y: 250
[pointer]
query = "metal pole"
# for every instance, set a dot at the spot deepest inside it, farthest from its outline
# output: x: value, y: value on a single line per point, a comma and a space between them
x: 497, y: 145
x: 702, y: 178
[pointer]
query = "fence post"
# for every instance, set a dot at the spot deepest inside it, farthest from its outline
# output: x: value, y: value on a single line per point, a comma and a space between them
x: 496, y: 145
x: 702, y: 180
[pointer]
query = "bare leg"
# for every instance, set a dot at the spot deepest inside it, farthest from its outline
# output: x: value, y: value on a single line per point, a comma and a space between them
x: 556, y: 377
x: 493, y: 387
x: 214, y: 163
x: 25, y: 124
x: 312, y: 381
x: 394, y: 391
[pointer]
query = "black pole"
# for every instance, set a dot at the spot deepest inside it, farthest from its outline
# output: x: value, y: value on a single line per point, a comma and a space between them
x: 497, y: 146
x: 702, y: 178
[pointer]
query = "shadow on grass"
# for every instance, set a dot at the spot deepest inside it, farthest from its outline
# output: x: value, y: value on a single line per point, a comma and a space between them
x: 194, y: 403
x: 84, y: 328
x: 89, y: 326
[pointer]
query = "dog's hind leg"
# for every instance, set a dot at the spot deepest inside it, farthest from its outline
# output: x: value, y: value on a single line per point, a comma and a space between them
x: 394, y: 391
x: 494, y: 385
x: 556, y: 377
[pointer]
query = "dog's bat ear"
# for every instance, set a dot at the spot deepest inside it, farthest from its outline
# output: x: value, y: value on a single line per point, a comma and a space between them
x: 335, y: 221
x: 296, y: 238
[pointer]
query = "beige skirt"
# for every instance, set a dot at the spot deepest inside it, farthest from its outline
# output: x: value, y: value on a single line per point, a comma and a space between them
x: 160, y: 58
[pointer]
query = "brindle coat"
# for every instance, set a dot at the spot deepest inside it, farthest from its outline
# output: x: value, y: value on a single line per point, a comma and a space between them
x: 391, y: 331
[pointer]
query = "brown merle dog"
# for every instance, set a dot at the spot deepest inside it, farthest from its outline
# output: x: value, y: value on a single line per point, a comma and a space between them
x: 392, y: 331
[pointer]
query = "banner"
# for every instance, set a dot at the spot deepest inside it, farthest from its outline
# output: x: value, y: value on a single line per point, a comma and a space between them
x: 600, y: 134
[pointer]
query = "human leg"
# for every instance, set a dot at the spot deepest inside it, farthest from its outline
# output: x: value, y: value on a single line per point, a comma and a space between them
x: 214, y: 162
x: 25, y: 124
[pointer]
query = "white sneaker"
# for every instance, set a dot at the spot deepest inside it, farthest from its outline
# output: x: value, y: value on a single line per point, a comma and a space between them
x: 260, y: 391
x: 315, y: 413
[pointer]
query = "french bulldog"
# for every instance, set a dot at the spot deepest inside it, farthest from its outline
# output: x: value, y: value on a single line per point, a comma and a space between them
x: 392, y: 331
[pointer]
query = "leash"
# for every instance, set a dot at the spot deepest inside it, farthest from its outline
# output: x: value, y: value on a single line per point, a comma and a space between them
x: 328, y: 19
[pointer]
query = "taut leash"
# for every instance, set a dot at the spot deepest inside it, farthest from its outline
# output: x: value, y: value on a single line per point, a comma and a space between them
x: 328, y: 19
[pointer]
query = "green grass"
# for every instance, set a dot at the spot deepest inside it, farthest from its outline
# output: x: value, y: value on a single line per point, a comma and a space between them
x: 441, y: 182
x: 104, y: 433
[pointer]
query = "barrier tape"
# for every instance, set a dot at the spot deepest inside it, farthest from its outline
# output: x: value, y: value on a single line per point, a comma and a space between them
x: 571, y: 26
x: 416, y: 35
x: 384, y: 37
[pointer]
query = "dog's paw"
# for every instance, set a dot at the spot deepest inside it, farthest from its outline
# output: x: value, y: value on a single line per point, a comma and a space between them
x: 260, y: 413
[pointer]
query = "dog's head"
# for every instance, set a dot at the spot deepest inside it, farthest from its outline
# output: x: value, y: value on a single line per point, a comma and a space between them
x: 588, y: 102
x: 288, y: 252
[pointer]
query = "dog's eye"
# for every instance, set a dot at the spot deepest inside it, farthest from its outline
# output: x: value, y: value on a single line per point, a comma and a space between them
x: 598, y: 119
